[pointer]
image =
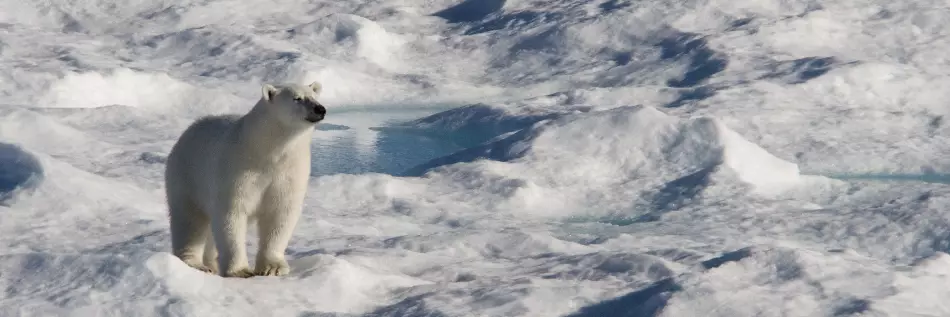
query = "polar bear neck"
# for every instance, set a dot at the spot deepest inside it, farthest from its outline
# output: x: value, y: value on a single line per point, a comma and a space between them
x: 260, y: 130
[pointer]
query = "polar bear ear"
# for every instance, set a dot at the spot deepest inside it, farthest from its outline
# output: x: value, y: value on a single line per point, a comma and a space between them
x: 268, y: 91
x: 316, y: 87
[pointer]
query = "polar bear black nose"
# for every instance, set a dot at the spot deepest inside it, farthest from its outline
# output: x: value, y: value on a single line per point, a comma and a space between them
x: 319, y: 109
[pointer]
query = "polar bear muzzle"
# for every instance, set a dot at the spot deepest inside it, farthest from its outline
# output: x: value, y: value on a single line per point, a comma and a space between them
x: 316, y: 111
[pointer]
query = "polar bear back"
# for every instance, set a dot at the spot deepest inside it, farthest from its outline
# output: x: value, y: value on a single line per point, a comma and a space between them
x: 195, y: 165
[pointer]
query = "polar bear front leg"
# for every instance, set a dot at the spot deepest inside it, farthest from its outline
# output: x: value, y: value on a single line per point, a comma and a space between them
x: 281, y: 208
x: 210, y: 257
x: 229, y: 226
x: 230, y: 230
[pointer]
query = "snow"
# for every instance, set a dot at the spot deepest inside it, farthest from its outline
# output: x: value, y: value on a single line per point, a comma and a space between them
x: 494, y: 157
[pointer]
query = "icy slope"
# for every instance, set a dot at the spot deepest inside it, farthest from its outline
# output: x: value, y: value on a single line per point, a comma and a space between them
x: 493, y: 157
x: 637, y: 157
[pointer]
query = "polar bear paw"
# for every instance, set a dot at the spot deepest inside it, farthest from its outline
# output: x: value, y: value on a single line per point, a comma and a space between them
x: 212, y: 267
x: 240, y: 273
x: 272, y: 267
x: 200, y: 267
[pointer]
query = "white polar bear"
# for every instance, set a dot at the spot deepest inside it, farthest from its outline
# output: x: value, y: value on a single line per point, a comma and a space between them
x: 227, y: 171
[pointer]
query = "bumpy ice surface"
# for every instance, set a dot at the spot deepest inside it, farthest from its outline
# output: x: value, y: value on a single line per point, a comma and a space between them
x: 494, y: 157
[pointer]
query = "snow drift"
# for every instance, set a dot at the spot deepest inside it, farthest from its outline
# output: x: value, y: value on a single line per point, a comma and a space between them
x: 621, y: 151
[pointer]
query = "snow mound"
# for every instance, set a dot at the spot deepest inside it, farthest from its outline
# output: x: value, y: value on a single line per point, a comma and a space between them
x: 773, y: 280
x: 784, y: 281
x: 214, y: 51
x: 920, y: 286
x: 119, y: 87
x: 472, y: 124
x: 626, y: 147
x: 78, y: 285
x: 587, y: 276
x: 331, y: 284
x: 147, y: 92
x: 351, y: 34
x: 349, y: 88
x: 755, y: 165
x: 83, y: 284
x: 95, y: 133
x: 81, y: 204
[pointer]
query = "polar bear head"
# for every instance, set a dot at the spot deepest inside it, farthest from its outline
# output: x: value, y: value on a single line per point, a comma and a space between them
x: 295, y: 105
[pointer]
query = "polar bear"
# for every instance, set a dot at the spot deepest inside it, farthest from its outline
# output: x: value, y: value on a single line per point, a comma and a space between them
x: 228, y: 171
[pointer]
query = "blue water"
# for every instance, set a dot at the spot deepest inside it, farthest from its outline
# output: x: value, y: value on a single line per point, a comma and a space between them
x: 927, y: 178
x: 351, y: 143
x: 18, y: 170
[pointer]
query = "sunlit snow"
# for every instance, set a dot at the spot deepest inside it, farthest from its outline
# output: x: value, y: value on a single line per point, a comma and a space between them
x: 494, y: 157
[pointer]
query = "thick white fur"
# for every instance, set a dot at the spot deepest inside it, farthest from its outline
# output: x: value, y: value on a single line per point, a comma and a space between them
x: 226, y: 172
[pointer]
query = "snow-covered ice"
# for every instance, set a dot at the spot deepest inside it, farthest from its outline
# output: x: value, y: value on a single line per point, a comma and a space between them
x: 494, y: 157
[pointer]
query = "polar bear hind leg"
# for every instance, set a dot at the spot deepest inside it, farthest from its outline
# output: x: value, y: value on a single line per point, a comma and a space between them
x: 190, y: 229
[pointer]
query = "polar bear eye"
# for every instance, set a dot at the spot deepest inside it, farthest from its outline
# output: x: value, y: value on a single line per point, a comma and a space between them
x: 298, y: 99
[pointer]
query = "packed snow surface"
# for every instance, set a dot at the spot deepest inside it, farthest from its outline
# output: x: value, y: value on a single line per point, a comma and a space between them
x: 494, y: 157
